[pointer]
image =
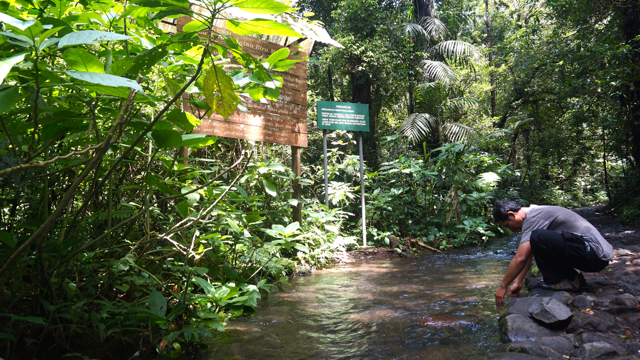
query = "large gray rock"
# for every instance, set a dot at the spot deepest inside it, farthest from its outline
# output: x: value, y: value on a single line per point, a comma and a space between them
x: 591, y: 337
x: 515, y: 327
x: 521, y: 306
x: 583, y: 302
x: 533, y: 348
x: 551, y: 312
x: 595, y: 350
x: 627, y: 300
x: 596, y: 321
x: 564, y: 344
x: 563, y: 297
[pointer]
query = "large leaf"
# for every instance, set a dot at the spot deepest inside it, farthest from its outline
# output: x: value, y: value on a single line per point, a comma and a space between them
x: 166, y: 138
x: 8, y: 98
x: 157, y: 303
x: 218, y: 90
x: 182, y: 120
x: 270, y: 187
x: 205, y: 285
x: 261, y: 26
x: 278, y: 55
x: 20, y: 24
x: 7, y: 64
x: 82, y: 60
x: 89, y: 37
x: 417, y: 126
x: 197, y: 140
x: 195, y: 25
x: 262, y: 6
x: 104, y: 79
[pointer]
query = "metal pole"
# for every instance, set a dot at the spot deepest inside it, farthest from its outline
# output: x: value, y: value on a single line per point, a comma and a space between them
x: 364, y: 218
x: 326, y: 175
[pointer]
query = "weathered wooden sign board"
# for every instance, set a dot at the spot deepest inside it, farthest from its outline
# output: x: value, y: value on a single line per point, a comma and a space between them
x: 283, y: 121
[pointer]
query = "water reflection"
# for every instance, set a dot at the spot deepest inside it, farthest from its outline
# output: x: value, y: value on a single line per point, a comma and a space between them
x: 430, y: 307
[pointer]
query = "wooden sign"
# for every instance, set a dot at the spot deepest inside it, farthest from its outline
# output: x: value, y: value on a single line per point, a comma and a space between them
x: 283, y: 121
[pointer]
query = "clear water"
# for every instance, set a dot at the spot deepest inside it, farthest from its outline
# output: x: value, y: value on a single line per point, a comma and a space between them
x: 426, y: 307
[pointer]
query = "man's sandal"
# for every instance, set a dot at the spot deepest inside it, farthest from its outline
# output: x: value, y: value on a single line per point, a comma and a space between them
x: 564, y: 285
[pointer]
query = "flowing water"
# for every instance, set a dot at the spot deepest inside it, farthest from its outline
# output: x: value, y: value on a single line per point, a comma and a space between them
x: 425, y: 307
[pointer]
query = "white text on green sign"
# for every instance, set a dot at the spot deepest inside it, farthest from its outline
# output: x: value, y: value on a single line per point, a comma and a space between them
x: 343, y: 116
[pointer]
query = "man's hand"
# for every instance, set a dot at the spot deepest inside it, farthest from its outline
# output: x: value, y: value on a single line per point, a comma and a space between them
x: 500, y: 293
x: 515, y: 288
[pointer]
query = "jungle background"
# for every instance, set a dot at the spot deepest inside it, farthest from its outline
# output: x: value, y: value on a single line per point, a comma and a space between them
x: 110, y: 241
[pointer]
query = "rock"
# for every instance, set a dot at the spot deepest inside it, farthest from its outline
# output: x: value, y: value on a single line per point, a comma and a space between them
x: 596, y: 321
x: 393, y: 241
x: 591, y: 337
x: 583, y: 302
x: 564, y: 344
x: 512, y: 356
x: 551, y: 312
x: 636, y: 262
x: 622, y: 252
x: 515, y: 327
x: 533, y: 348
x: 595, y: 350
x: 627, y: 300
x: 563, y: 297
x: 521, y: 306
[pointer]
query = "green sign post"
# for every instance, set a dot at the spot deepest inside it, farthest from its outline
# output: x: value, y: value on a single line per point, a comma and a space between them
x: 344, y: 116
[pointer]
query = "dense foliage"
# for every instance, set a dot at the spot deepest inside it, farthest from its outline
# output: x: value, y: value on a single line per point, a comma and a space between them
x: 113, y: 237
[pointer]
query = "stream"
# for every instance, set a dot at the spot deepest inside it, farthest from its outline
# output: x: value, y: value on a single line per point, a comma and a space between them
x: 423, y: 307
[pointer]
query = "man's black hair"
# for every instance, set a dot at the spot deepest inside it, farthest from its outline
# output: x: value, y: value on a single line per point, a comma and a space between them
x: 501, y: 209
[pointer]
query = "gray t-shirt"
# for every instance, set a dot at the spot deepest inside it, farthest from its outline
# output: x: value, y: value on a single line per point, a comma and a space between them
x: 560, y: 219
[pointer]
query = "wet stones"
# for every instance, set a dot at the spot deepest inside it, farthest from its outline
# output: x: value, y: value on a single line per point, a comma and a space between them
x: 583, y: 302
x: 626, y: 300
x: 595, y: 350
x: 516, y: 327
x: 551, y: 312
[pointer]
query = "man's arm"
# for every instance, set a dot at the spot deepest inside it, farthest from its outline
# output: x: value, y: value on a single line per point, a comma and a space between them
x: 520, y: 261
x: 517, y: 283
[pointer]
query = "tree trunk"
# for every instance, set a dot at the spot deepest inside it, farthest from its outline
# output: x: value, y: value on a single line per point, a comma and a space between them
x: 361, y: 94
x: 630, y: 14
x: 492, y: 74
x: 424, y: 8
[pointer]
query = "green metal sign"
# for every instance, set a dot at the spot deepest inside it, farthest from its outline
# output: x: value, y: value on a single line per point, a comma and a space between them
x: 343, y: 116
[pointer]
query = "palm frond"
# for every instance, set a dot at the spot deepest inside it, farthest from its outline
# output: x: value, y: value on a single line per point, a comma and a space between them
x: 455, y: 50
x: 456, y: 132
x: 460, y: 104
x: 411, y: 30
x: 434, y: 28
x: 417, y: 126
x: 439, y: 71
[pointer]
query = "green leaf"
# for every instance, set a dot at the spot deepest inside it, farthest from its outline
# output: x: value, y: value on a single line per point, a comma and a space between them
x: 218, y: 91
x: 302, y: 248
x: 20, y: 24
x: 166, y: 138
x: 278, y: 55
x: 262, y: 6
x: 6, y: 238
x: 261, y: 26
x: 205, y: 285
x: 105, y: 79
x: 82, y: 60
x: 89, y: 37
x: 183, y: 208
x: 182, y: 120
x: 194, y: 26
x: 191, y: 198
x: 8, y: 98
x: 283, y: 65
x: 234, y: 226
x: 292, y: 228
x: 197, y: 140
x: 270, y: 187
x: 7, y: 64
x: 157, y: 303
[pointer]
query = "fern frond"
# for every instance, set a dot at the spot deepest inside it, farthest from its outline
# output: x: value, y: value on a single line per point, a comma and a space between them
x: 439, y: 71
x: 434, y: 28
x: 417, y: 126
x: 456, y: 132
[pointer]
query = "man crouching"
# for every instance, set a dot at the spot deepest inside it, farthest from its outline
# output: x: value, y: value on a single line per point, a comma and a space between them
x: 559, y: 239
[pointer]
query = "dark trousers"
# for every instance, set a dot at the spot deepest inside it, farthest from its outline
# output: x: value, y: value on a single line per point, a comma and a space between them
x: 558, y: 254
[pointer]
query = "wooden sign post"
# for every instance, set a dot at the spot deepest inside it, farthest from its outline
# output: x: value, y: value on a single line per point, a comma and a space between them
x: 281, y: 122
